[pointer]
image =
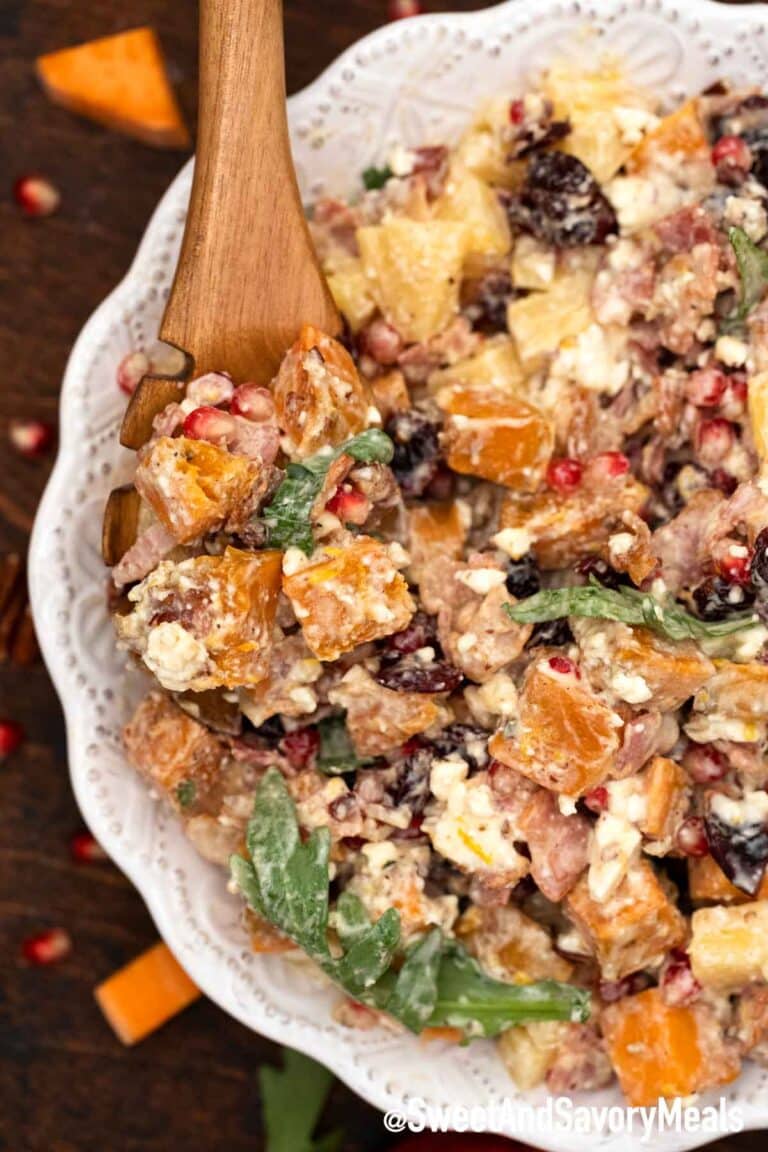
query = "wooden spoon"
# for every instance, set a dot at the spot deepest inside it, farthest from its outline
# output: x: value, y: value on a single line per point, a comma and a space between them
x: 248, y: 277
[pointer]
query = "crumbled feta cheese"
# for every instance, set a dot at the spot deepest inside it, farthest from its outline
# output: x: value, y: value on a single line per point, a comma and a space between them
x: 705, y: 729
x: 496, y: 698
x: 566, y: 804
x: 752, y: 808
x: 633, y: 124
x: 731, y: 351
x: 468, y: 827
x: 401, y: 161
x: 466, y: 642
x: 174, y: 655
x: 373, y: 416
x: 620, y: 544
x: 516, y: 542
x: 630, y: 687
x: 481, y: 580
x: 748, y: 214
x: 594, y: 360
x: 293, y: 561
x: 641, y: 200
x: 613, y: 845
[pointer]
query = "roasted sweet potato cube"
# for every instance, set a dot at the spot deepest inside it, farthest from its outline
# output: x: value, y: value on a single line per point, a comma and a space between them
x: 633, y: 927
x: 708, y: 884
x: 206, y: 622
x: 666, y: 788
x: 566, y: 529
x: 347, y: 596
x: 566, y: 739
x: 319, y: 397
x: 729, y: 946
x: 380, y: 720
x: 680, y: 134
x: 637, y: 666
x: 435, y: 530
x: 490, y: 434
x: 264, y: 937
x: 170, y: 748
x: 738, y: 690
x: 662, y: 1050
x: 511, y: 946
x: 192, y: 486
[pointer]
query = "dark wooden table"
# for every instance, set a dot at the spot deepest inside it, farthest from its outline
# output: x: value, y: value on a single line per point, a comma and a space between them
x: 66, y: 1085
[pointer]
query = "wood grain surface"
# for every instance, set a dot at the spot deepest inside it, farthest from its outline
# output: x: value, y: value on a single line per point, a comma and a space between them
x: 66, y: 1085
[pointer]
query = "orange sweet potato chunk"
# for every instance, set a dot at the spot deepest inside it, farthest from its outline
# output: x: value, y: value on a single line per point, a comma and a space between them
x: 667, y: 789
x: 496, y: 436
x: 193, y: 486
x: 119, y: 81
x: 708, y: 884
x: 145, y: 994
x: 319, y: 397
x: 566, y: 739
x: 661, y: 1050
x: 434, y: 530
x: 348, y: 596
x: 679, y: 134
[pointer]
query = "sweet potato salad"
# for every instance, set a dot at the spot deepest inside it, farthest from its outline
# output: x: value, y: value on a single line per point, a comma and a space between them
x: 458, y: 628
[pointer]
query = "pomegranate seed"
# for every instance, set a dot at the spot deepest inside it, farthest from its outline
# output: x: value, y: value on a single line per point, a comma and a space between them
x: 597, y: 799
x: 210, y: 390
x: 30, y: 438
x: 253, y: 403
x: 714, y: 440
x: 381, y: 342
x: 564, y: 475
x: 401, y: 9
x: 705, y: 387
x: 517, y: 111
x: 734, y: 565
x: 130, y: 371
x: 36, y: 196
x: 47, y: 947
x: 563, y: 666
x: 300, y: 747
x: 209, y: 424
x: 11, y: 736
x: 678, y: 984
x: 734, y: 402
x: 610, y: 465
x: 691, y: 837
x: 85, y: 849
x: 704, y: 763
x: 731, y: 156
x: 350, y: 505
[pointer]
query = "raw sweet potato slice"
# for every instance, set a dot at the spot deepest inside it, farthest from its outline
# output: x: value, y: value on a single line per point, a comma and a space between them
x: 664, y: 1050
x: 145, y: 994
x: 119, y: 81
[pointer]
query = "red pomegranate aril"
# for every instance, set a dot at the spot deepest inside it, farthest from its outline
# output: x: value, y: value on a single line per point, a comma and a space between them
x: 36, y: 196
x: 564, y: 475
x: 402, y: 9
x: 517, y: 111
x: 85, y: 849
x: 47, y: 947
x: 209, y: 424
x: 611, y: 465
x: 691, y: 837
x: 705, y: 387
x: 299, y: 747
x: 563, y: 666
x: 714, y: 440
x: 11, y: 736
x: 678, y: 984
x: 30, y: 438
x: 723, y: 480
x: 734, y: 565
x: 597, y: 799
x: 253, y: 403
x: 732, y: 153
x: 734, y: 401
x: 704, y: 763
x: 350, y: 505
x: 381, y: 342
x: 130, y: 371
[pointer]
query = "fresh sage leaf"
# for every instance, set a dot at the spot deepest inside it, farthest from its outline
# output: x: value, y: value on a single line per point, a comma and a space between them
x: 752, y: 263
x: 414, y: 995
x: 186, y: 793
x: 626, y: 605
x: 375, y: 178
x: 288, y: 517
x: 336, y: 753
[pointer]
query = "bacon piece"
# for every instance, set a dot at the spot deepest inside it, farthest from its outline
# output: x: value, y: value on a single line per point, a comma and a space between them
x: 558, y: 845
x: 152, y: 546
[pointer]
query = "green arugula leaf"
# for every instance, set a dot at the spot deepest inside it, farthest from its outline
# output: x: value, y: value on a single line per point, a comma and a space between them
x: 437, y: 983
x: 293, y: 1098
x: 375, y: 178
x: 752, y: 263
x: 626, y: 605
x: 288, y: 517
x: 336, y: 754
x: 186, y: 793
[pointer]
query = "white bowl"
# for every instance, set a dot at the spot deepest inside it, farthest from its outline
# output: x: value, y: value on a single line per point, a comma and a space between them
x: 414, y: 81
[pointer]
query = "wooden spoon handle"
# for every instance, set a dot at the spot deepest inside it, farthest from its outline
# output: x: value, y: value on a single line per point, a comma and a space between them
x: 248, y: 277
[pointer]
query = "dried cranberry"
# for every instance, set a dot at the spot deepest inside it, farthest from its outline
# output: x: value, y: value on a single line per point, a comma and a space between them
x: 561, y: 203
x: 523, y: 577
x: 412, y: 784
x: 740, y: 850
x: 757, y: 140
x: 716, y: 598
x: 551, y: 634
x: 420, y: 633
x: 484, y: 300
x: 464, y: 739
x: 413, y: 676
x: 597, y: 568
x: 300, y: 747
x: 758, y: 568
x: 417, y: 450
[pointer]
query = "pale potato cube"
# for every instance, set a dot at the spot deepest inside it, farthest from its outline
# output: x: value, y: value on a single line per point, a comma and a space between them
x: 470, y: 201
x: 540, y: 322
x: 533, y: 264
x: 529, y: 1050
x: 496, y: 365
x: 351, y: 289
x: 511, y: 946
x: 757, y: 399
x: 729, y: 946
x: 414, y: 269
